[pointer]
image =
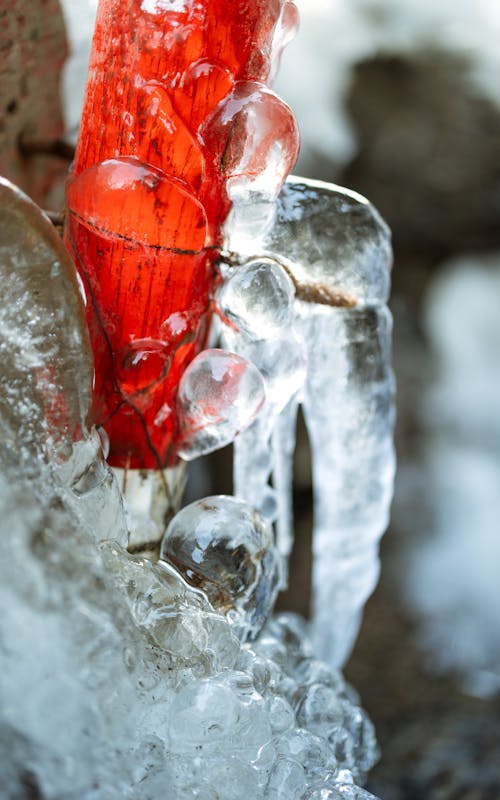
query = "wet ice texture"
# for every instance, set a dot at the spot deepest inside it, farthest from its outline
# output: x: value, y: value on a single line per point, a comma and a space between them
x: 118, y: 681
x: 222, y: 546
x: 336, y: 360
x: 46, y: 361
x: 46, y: 371
x: 219, y: 395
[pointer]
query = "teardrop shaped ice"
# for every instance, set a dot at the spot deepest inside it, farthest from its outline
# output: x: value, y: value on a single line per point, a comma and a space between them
x: 222, y: 546
x: 220, y: 394
x: 258, y: 297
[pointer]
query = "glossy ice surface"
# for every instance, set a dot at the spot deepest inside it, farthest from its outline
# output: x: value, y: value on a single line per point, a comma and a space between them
x: 177, y: 124
x: 222, y: 546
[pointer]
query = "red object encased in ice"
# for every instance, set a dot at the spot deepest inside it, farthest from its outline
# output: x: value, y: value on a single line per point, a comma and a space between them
x: 170, y: 86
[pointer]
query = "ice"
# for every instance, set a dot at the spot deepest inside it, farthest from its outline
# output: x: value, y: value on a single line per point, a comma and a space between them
x: 258, y: 298
x: 261, y: 143
x: 46, y: 361
x: 335, y: 359
x: 222, y: 546
x: 47, y: 368
x: 219, y: 395
x: 96, y: 640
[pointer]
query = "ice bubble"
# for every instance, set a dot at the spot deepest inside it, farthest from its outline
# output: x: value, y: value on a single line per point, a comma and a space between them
x: 258, y: 297
x: 222, y: 546
x: 220, y: 394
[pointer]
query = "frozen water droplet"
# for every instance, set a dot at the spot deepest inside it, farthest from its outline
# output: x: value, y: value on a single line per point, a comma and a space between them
x: 286, y: 780
x: 200, y: 89
x: 141, y: 365
x: 123, y: 198
x: 255, y: 138
x: 334, y: 238
x: 220, y: 394
x: 258, y: 297
x: 225, y: 548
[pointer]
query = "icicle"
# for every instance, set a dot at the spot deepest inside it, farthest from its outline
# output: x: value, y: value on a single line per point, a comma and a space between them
x: 336, y: 250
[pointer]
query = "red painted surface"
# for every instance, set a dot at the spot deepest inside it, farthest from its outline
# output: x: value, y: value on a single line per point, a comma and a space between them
x: 164, y: 126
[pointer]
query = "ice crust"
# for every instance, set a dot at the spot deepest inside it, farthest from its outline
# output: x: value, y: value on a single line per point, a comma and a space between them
x: 118, y: 680
x: 336, y: 361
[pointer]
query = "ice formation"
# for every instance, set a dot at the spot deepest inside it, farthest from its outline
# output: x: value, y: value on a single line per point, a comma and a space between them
x: 121, y: 677
x: 118, y: 679
x: 335, y: 360
x: 222, y: 546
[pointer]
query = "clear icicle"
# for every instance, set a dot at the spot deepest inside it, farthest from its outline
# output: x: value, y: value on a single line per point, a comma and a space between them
x: 283, y: 446
x: 336, y: 248
x: 349, y: 420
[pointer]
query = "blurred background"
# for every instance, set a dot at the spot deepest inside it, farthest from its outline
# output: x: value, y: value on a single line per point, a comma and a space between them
x: 399, y: 100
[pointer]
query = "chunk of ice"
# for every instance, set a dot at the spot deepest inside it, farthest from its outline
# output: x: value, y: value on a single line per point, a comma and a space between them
x: 258, y: 298
x: 222, y: 546
x: 219, y: 395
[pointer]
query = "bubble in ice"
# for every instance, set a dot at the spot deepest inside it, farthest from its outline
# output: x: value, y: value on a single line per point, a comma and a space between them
x: 258, y: 297
x: 222, y: 546
x: 220, y: 393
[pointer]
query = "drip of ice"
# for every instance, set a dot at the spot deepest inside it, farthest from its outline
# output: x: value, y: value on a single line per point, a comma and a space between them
x: 222, y: 546
x: 219, y: 394
x: 47, y: 368
x: 336, y: 248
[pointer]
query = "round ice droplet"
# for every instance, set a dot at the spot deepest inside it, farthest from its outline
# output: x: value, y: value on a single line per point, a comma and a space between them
x: 126, y: 199
x: 222, y: 546
x: 258, y: 297
x: 141, y: 365
x: 220, y: 394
